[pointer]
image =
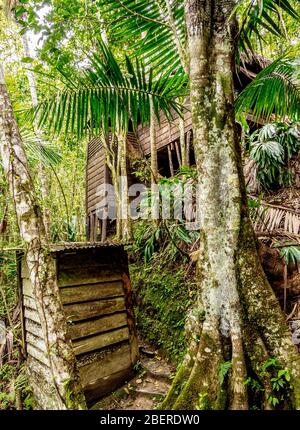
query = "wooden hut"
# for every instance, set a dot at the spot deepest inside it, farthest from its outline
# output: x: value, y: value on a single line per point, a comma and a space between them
x: 169, y: 156
x: 95, y: 291
x: 97, y: 174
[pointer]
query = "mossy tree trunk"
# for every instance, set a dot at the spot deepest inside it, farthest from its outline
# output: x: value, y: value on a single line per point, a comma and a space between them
x: 42, y: 270
x: 237, y: 319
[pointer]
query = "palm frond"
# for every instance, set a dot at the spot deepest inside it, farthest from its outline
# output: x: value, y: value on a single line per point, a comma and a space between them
x: 39, y: 149
x: 274, y: 93
x: 269, y: 218
x: 147, y: 23
x: 107, y: 95
x: 257, y: 16
x: 271, y: 149
x: 290, y: 254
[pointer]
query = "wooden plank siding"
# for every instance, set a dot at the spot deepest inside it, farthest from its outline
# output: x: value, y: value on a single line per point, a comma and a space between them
x: 91, y: 292
x: 165, y: 132
x: 97, y: 325
x: 97, y: 171
x: 115, y: 368
x: 86, y: 310
x: 137, y: 145
x: 95, y: 298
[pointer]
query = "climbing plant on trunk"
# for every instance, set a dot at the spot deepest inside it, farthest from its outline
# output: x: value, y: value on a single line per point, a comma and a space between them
x: 237, y: 322
x: 67, y: 392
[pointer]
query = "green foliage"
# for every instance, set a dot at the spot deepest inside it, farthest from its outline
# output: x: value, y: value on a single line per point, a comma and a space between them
x: 147, y: 23
x: 275, y: 91
x: 39, y: 149
x: 11, y: 384
x: 141, y: 170
x: 203, y: 402
x: 280, y: 381
x: 162, y: 295
x: 272, y: 147
x: 290, y: 254
x: 23, y: 386
x: 8, y: 283
x: 223, y: 371
x: 106, y: 96
x: 260, y: 17
x: 169, y: 231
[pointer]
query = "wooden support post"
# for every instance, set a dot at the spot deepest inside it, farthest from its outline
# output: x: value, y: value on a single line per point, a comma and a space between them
x: 170, y: 160
x: 95, y: 227
x: 105, y: 209
x: 178, y: 153
x: 187, y: 146
x: 92, y: 227
x: 104, y: 225
x: 87, y: 228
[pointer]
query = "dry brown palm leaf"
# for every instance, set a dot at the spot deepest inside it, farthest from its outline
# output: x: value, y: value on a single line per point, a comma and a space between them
x: 270, y: 218
x: 250, y: 173
x: 296, y: 223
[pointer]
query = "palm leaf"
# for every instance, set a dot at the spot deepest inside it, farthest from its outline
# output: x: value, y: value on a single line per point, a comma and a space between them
x: 39, y: 149
x: 290, y: 254
x: 274, y: 93
x: 257, y: 16
x: 106, y: 95
x: 270, y: 218
x: 147, y: 23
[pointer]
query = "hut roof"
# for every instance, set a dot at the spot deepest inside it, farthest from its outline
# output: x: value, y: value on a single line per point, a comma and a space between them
x: 56, y: 248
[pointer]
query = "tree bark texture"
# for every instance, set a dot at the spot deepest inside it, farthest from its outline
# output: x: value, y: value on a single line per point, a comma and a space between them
x: 124, y: 197
x: 237, y: 319
x: 42, y: 174
x: 67, y: 389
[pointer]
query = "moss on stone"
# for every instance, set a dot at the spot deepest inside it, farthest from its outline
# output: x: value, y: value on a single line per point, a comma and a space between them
x: 162, y: 298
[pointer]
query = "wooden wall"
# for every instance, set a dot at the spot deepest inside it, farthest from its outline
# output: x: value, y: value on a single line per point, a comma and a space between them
x: 97, y: 173
x: 96, y: 296
x: 166, y: 133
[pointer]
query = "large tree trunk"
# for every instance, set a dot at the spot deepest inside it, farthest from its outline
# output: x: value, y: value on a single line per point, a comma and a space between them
x: 237, y: 318
x: 67, y: 389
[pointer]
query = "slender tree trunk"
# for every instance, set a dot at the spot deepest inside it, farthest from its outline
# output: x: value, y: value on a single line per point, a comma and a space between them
x: 182, y: 141
x: 124, y: 197
x: 68, y: 392
x: 112, y: 161
x: 154, y: 166
x: 153, y: 148
x: 42, y: 174
x: 237, y: 318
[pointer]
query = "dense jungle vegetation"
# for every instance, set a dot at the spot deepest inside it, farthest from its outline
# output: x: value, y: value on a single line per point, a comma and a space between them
x: 222, y: 301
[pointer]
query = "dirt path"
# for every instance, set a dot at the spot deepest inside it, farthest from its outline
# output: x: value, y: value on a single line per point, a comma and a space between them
x: 147, y: 389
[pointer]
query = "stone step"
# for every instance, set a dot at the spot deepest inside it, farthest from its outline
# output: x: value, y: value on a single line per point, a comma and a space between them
x: 165, y: 376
